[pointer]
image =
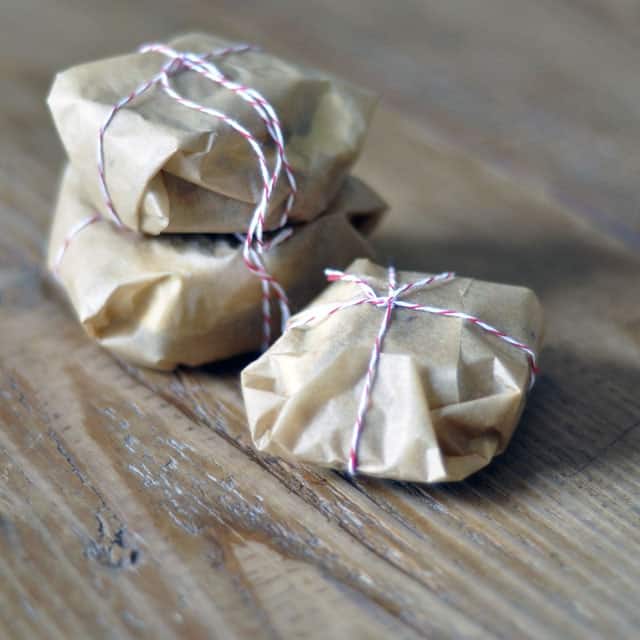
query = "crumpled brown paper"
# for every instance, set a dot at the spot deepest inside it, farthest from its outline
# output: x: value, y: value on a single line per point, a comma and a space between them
x: 447, y: 396
x: 160, y: 301
x: 158, y: 152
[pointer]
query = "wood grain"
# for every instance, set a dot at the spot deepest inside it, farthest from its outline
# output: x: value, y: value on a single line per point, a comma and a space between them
x: 132, y: 504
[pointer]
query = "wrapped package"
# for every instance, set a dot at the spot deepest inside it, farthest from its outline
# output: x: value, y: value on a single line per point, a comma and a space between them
x: 160, y: 301
x: 454, y: 366
x: 170, y: 168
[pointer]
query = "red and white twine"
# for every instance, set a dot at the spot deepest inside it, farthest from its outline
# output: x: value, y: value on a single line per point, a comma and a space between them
x: 389, y: 302
x: 254, y: 245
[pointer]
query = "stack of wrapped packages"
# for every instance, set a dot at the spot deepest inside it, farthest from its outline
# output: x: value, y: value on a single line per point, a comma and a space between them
x: 207, y: 187
x: 207, y: 192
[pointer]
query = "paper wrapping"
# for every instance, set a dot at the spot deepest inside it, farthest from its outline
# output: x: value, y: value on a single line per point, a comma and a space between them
x: 447, y: 396
x: 160, y: 301
x: 158, y: 152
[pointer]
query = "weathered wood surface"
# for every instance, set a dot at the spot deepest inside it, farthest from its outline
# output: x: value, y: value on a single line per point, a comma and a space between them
x: 131, y: 504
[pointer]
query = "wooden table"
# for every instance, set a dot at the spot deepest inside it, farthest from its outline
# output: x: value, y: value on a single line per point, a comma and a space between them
x: 132, y: 504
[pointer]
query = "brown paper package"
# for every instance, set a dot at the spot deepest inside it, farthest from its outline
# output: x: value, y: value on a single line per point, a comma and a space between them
x: 447, y: 396
x: 172, y: 169
x: 160, y: 301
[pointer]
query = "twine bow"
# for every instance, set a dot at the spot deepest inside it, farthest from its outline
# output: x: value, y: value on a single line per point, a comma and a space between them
x: 254, y: 245
x: 388, y: 302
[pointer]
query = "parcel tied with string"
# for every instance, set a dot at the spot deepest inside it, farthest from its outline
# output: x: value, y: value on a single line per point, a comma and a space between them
x: 160, y: 301
x: 181, y: 128
x: 421, y: 379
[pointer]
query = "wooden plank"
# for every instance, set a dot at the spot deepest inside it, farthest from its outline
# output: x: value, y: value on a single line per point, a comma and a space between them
x: 131, y: 502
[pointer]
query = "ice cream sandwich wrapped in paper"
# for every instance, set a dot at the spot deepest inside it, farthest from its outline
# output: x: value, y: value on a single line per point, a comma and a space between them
x: 400, y: 375
x: 169, y: 137
x: 165, y: 300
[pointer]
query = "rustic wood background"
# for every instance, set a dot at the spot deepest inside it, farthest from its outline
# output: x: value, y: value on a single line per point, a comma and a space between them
x: 131, y: 503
